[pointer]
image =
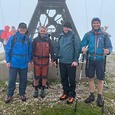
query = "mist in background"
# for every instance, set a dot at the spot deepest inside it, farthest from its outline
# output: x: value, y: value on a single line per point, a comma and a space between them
x: 12, y: 12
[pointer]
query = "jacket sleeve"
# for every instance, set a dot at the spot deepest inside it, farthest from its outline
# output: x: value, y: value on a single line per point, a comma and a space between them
x: 108, y: 44
x: 33, y: 48
x: 57, y: 48
x: 3, y: 35
x: 8, y: 49
x: 77, y: 45
x: 30, y: 50
x: 84, y: 42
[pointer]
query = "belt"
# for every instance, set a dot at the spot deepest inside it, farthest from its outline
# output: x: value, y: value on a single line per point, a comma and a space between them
x: 40, y: 57
x: 92, y: 54
x: 20, y: 55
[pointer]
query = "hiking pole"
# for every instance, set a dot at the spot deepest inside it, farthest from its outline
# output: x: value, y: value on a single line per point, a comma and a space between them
x: 82, y: 62
x: 105, y: 84
x: 102, y: 109
x: 81, y: 71
x: 76, y: 104
x: 103, y: 106
x: 57, y: 66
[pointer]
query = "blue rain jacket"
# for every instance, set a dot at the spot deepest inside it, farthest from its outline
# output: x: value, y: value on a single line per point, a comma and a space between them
x: 96, y: 44
x: 19, y: 55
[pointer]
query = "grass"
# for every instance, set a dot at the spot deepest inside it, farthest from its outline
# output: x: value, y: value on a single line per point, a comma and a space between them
x: 58, y: 108
x: 69, y: 110
x: 61, y: 108
x: 37, y: 108
x: 112, y: 57
x: 110, y: 95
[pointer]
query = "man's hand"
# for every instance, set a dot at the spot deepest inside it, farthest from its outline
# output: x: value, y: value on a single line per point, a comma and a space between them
x: 30, y: 64
x: 106, y: 51
x: 84, y: 49
x: 8, y: 65
x: 51, y: 64
x: 74, y: 64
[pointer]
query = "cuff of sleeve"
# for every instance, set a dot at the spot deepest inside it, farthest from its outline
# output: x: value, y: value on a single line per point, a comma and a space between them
x: 76, y: 61
x: 110, y: 50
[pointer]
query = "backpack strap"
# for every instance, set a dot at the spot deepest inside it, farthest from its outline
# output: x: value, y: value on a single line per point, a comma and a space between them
x: 88, y: 36
x: 104, y: 35
x: 28, y: 41
x: 28, y: 45
x: 13, y: 42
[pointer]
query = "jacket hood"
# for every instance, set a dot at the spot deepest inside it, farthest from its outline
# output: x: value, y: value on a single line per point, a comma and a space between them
x: 6, y: 28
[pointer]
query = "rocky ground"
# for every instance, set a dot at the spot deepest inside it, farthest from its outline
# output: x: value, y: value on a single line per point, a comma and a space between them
x: 16, y: 107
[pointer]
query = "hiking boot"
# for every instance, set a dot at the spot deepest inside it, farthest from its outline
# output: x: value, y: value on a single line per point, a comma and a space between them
x: 64, y: 97
x: 90, y: 99
x: 8, y: 99
x: 23, y: 98
x: 70, y: 100
x: 43, y: 93
x: 35, y: 95
x: 99, y: 102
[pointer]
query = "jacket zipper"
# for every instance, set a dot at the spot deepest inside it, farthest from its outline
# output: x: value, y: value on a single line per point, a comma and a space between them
x: 96, y: 40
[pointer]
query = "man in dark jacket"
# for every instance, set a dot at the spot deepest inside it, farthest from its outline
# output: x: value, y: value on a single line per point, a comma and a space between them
x: 67, y: 52
x: 97, y: 44
x: 18, y: 57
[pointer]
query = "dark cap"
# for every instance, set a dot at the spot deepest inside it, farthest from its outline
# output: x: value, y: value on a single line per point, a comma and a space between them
x: 96, y: 19
x: 68, y: 25
x: 22, y: 25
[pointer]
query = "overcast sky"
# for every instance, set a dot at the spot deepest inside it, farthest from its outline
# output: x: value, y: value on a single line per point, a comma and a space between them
x: 82, y: 11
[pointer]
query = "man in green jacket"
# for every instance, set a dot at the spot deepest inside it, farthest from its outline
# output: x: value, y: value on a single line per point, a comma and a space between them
x: 67, y: 51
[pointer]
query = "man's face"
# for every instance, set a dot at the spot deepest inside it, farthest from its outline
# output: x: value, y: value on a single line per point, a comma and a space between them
x: 42, y: 32
x: 66, y: 29
x: 96, y: 25
x: 22, y: 30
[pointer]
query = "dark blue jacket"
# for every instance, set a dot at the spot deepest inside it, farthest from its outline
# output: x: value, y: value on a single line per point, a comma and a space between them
x: 68, y: 47
x: 96, y: 44
x: 19, y: 55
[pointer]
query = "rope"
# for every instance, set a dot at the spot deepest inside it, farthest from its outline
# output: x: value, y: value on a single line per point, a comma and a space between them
x: 101, y: 9
x: 19, y: 12
x: 2, y: 13
x: 86, y: 13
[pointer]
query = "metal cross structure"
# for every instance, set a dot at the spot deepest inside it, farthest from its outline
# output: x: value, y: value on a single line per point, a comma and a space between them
x: 52, y: 14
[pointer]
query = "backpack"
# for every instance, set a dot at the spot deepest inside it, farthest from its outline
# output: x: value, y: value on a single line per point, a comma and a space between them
x: 14, y: 41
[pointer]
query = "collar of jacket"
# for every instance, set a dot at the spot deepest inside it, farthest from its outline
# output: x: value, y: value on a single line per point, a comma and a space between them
x: 20, y: 35
x: 45, y: 38
x: 67, y: 34
x: 97, y: 32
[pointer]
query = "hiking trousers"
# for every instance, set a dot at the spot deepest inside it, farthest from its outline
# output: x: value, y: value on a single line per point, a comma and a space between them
x: 12, y: 80
x: 40, y: 74
x: 68, y: 76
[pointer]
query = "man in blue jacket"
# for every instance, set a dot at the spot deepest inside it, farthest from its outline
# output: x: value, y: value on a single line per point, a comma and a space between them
x: 97, y: 45
x: 18, y: 58
x: 67, y: 52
